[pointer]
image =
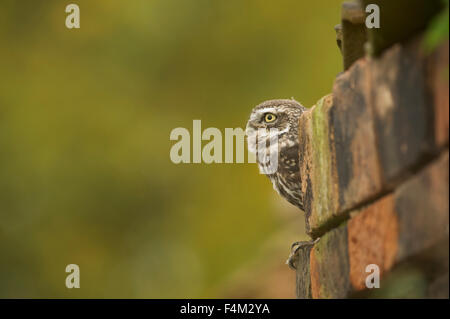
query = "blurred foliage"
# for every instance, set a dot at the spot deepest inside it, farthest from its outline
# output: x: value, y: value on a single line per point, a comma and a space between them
x: 404, y: 282
x: 85, y: 118
x: 437, y: 31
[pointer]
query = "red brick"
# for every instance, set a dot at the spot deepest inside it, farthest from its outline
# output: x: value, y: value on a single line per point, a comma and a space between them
x: 372, y: 239
x: 353, y: 138
x: 422, y: 206
x: 403, y: 119
x: 329, y: 266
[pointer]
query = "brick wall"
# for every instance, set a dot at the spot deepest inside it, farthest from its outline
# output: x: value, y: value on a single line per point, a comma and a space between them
x: 374, y: 165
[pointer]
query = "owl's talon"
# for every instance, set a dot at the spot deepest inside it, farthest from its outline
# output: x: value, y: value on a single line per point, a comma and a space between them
x: 291, y: 261
x: 296, y: 244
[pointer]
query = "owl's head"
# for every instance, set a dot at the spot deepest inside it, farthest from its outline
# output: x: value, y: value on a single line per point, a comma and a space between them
x: 281, y: 115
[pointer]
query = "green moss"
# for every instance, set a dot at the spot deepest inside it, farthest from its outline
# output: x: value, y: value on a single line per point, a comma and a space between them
x: 438, y: 29
x: 331, y: 257
x: 318, y: 248
x: 405, y: 281
x: 322, y: 165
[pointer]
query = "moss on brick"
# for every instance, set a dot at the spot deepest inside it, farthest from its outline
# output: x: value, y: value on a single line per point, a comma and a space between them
x: 323, y: 205
x: 329, y: 265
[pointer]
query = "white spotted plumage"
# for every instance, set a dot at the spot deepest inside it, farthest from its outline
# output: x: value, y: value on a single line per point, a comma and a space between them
x: 286, y: 178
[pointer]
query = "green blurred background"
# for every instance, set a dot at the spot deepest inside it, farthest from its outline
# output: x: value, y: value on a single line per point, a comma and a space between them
x: 85, y: 118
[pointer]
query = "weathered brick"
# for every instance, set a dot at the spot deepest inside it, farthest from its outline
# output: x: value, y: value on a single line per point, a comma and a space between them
x: 372, y: 239
x: 408, y: 227
x: 423, y: 276
x: 318, y: 176
x: 329, y: 265
x: 405, y: 224
x: 422, y: 207
x: 338, y: 154
x: 303, y: 274
x: 306, y: 163
x: 353, y: 33
x: 439, y: 83
x: 402, y: 112
x: 375, y: 135
x: 353, y: 139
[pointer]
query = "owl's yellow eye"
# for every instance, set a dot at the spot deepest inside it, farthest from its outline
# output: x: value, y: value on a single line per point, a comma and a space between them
x: 269, y: 117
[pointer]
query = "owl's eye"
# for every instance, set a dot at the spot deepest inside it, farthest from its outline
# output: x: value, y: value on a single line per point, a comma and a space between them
x: 269, y: 117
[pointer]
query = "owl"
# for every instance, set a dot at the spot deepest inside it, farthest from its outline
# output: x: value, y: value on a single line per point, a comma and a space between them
x: 281, y: 118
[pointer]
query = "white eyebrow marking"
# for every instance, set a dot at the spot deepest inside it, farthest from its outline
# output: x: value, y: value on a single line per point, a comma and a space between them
x: 266, y: 109
x: 255, y: 115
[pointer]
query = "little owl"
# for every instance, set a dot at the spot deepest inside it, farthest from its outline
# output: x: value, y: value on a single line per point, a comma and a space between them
x: 280, y: 116
x: 283, y: 116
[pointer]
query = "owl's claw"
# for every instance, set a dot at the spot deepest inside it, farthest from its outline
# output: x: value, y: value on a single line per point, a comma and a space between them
x: 292, y: 260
